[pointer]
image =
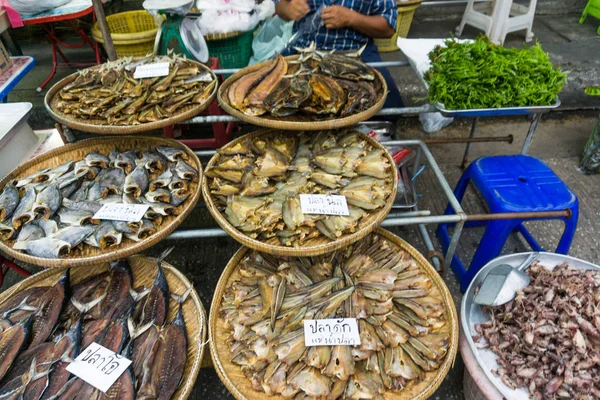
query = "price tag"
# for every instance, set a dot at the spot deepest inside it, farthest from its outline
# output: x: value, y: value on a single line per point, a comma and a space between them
x: 122, y: 212
x: 151, y: 70
x: 326, y: 204
x: 99, y: 366
x: 331, y: 332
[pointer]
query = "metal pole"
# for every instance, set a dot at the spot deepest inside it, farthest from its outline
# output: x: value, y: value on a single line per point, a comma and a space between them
x: 453, y: 245
x: 415, y: 213
x: 196, y: 233
x: 378, y: 64
x: 465, y: 159
x: 484, y: 139
x: 108, y: 42
x: 532, y: 129
x: 519, y: 215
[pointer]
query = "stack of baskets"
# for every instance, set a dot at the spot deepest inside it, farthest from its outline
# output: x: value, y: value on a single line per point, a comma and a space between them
x: 133, y: 33
x: 233, y: 49
x: 406, y: 11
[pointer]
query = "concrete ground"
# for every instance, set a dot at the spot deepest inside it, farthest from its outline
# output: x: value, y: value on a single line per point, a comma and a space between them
x: 559, y: 141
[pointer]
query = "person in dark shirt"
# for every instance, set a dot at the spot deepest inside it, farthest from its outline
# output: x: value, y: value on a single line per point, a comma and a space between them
x: 347, y: 25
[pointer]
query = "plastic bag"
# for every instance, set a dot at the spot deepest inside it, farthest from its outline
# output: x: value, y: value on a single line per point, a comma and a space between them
x: 265, y: 10
x: 590, y: 159
x: 221, y: 5
x: 32, y: 7
x: 225, y: 21
x: 433, y: 122
x: 270, y: 39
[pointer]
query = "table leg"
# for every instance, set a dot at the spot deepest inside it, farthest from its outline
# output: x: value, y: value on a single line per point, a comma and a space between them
x: 465, y: 159
x: 453, y: 245
x: 532, y: 128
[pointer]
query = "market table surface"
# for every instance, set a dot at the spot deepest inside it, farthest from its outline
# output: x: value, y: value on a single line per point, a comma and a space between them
x: 9, y: 79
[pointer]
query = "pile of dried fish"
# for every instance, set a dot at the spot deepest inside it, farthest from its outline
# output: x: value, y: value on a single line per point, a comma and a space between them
x: 318, y: 84
x: 548, y: 338
x: 51, y: 212
x: 256, y: 184
x: 110, y: 95
x: 44, y: 328
x: 400, y: 318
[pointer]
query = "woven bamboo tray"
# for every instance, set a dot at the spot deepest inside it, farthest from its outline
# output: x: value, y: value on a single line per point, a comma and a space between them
x: 241, y: 388
x: 366, y: 225
x: 296, y: 122
x: 97, y: 125
x: 144, y: 271
x: 88, y: 255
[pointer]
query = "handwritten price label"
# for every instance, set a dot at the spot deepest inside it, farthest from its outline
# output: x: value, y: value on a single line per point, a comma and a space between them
x: 122, y: 212
x: 99, y: 366
x: 151, y: 70
x: 331, y: 332
x: 324, y: 204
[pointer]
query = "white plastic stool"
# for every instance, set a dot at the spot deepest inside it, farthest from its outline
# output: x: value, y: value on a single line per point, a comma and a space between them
x: 498, y: 18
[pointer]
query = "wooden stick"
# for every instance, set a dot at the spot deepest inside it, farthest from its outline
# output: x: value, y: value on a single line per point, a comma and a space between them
x: 101, y: 18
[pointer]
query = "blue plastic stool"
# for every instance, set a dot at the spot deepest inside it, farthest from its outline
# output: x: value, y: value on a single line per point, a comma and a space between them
x: 510, y: 184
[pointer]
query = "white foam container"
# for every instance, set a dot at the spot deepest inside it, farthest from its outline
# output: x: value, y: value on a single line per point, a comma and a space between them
x: 17, y: 139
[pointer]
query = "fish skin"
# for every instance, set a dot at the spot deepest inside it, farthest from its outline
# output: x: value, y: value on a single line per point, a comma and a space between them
x: 12, y: 341
x: 185, y: 171
x: 178, y: 196
x: 159, y: 195
x: 39, y: 176
x: 53, y: 302
x: 137, y: 182
x: 91, y: 206
x: 121, y: 281
x: 154, y: 161
x: 7, y: 231
x: 239, y: 90
x: 43, y: 353
x: 254, y: 101
x: 109, y: 181
x: 81, y: 194
x: 29, y: 232
x: 24, y: 211
x: 59, y: 171
x: 9, y: 200
x: 74, y: 235
x: 75, y: 217
x: 47, y: 247
x: 97, y: 160
x: 172, y: 154
x: 125, y: 161
x: 71, y: 188
x: 156, y: 304
x: 106, y: 235
x: 48, y: 201
x: 162, y: 180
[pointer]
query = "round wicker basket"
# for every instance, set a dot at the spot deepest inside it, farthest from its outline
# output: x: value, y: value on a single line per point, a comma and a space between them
x: 98, y: 125
x: 296, y: 122
x: 88, y: 255
x: 365, y: 226
x: 241, y: 388
x: 144, y: 271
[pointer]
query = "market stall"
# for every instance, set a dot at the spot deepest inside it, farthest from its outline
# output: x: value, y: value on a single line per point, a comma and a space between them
x: 307, y: 199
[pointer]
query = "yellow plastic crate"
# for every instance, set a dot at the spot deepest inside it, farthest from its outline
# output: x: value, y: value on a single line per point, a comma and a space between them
x: 133, y: 33
x: 405, y: 17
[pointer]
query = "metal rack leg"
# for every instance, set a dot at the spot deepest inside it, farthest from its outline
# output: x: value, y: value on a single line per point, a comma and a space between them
x: 453, y: 244
x: 532, y: 128
x: 465, y: 159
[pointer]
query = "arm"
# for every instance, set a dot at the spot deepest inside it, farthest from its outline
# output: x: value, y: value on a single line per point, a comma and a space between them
x: 378, y: 25
x: 291, y: 10
x: 373, y: 26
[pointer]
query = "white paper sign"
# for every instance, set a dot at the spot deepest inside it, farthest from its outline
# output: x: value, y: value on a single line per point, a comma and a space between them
x: 331, y: 332
x: 99, y: 366
x: 122, y: 212
x: 326, y: 204
x: 151, y: 70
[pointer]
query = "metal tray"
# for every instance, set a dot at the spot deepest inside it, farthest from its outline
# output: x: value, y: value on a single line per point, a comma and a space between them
x: 495, y: 112
x: 471, y: 314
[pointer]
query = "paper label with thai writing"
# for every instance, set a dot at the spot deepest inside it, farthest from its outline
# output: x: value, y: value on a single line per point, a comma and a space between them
x: 122, y: 212
x: 151, y: 70
x: 99, y: 366
x: 325, y: 204
x: 331, y: 332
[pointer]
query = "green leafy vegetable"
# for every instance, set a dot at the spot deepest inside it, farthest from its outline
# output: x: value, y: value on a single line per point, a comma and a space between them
x: 483, y: 75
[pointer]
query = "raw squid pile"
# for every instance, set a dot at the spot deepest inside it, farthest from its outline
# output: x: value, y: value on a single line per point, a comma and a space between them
x: 256, y: 184
x: 400, y: 319
x: 318, y: 84
x: 44, y: 328
x: 110, y: 95
x: 548, y: 338
x: 50, y: 213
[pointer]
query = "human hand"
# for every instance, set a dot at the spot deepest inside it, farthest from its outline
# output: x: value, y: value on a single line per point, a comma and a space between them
x: 297, y: 9
x: 335, y: 17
